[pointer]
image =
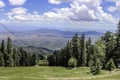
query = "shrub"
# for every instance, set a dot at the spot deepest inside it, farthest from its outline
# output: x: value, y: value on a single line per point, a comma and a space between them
x: 43, y: 63
x: 110, y: 65
x: 72, y: 62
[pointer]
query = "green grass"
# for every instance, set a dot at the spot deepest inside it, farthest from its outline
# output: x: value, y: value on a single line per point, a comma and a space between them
x: 54, y: 73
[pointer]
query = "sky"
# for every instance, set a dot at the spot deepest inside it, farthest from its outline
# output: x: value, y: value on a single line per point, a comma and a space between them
x: 60, y: 14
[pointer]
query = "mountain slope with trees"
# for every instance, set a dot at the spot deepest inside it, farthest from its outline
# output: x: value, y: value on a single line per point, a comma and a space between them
x: 103, y: 54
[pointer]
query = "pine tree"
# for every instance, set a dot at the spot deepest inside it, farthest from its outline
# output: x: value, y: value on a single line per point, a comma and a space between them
x: 1, y: 59
x: 34, y: 59
x: 109, y: 42
x: 99, y: 50
x: 89, y: 51
x: 117, y: 47
x: 98, y: 57
x: 63, y: 57
x: 19, y: 56
x: 4, y: 51
x: 50, y: 60
x: 27, y: 60
x: 91, y: 61
x: 16, y: 57
x: 83, y: 50
x: 91, y: 64
x: 95, y: 64
x: 22, y: 57
x: 75, y: 46
x: 97, y: 67
x: 9, y: 59
x: 79, y: 58
x: 110, y: 65
x: 68, y: 52
x: 56, y: 58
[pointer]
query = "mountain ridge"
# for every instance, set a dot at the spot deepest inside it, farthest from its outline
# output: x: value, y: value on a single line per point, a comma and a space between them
x: 55, y: 31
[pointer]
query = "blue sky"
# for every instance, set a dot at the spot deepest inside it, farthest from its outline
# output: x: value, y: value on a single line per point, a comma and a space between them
x: 60, y: 14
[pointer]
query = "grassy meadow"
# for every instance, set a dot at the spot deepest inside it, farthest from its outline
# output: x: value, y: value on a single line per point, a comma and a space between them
x: 54, y: 73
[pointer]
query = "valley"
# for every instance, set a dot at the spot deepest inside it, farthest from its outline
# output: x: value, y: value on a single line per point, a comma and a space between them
x: 47, y: 38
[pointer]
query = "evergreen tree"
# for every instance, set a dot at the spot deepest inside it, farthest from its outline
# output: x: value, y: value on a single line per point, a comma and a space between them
x: 79, y: 58
x: 97, y: 67
x: 4, y: 51
x: 56, y: 58
x: 89, y: 51
x: 95, y: 64
x: 98, y: 57
x: 83, y: 50
x: 117, y: 47
x: 1, y: 59
x: 68, y: 53
x: 99, y: 51
x: 19, y: 57
x: 91, y: 56
x: 75, y: 47
x: 22, y: 57
x: 9, y: 59
x: 51, y: 60
x: 110, y: 65
x: 62, y: 57
x: 109, y: 42
x: 27, y: 60
x: 34, y: 59
x: 16, y: 57
x: 92, y: 63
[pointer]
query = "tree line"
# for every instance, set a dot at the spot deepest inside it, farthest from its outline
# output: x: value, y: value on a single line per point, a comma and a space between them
x: 12, y: 56
x: 103, y: 54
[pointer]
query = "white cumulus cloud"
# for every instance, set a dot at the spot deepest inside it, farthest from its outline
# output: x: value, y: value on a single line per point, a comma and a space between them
x: 54, y: 1
x: 112, y: 0
x: 57, y: 2
x: 60, y: 14
x: 2, y: 4
x: 79, y: 10
x: 17, y: 2
x: 22, y: 14
x: 111, y: 9
x: 116, y: 7
x: 82, y: 10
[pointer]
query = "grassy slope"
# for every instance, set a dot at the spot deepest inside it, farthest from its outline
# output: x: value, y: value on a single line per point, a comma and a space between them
x: 53, y: 73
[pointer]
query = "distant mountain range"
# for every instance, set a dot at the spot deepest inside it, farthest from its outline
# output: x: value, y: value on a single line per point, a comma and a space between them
x: 59, y: 32
x: 55, y: 31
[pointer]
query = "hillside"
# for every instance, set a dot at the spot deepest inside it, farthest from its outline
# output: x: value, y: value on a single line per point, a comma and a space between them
x: 38, y: 50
